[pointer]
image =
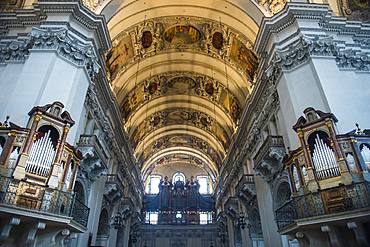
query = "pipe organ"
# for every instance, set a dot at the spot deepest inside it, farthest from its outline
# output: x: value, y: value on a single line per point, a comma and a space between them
x: 324, y: 160
x: 319, y: 163
x: 41, y: 156
x: 328, y: 173
x: 37, y: 162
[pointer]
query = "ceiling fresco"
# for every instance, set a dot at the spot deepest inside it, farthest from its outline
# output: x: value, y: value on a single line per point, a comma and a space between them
x: 177, y: 142
x: 183, y: 159
x: 181, y: 83
x: 194, y: 34
x: 180, y: 116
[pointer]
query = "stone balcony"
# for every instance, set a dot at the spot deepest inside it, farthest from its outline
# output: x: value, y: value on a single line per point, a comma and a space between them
x: 114, y: 189
x: 267, y: 161
x: 246, y: 189
x: 39, y: 206
x: 341, y: 204
x: 95, y: 157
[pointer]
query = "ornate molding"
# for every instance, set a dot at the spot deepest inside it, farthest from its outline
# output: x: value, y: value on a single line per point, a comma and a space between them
x: 14, y: 50
x: 66, y: 46
x: 272, y: 6
x: 306, y: 47
x: 61, y: 40
x: 351, y: 59
x: 235, y: 49
x: 92, y: 4
x: 92, y: 166
x: 165, y: 84
x: 108, y: 137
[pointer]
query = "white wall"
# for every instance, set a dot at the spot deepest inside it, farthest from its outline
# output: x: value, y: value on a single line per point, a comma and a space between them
x: 43, y: 78
x: 347, y: 92
x: 299, y: 89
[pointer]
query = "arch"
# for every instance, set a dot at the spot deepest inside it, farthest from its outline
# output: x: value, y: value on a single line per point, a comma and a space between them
x: 296, y: 176
x: 103, y: 227
x: 79, y: 191
x: 178, y: 176
x: 53, y: 134
x: 311, y: 140
x: 216, y: 46
x: 365, y: 153
x: 243, y: 15
x: 282, y: 195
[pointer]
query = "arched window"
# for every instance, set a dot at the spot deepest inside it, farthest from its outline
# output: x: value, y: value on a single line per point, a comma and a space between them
x: 204, y: 185
x: 152, y: 186
x: 69, y: 175
x: 296, y: 177
x: 305, y: 174
x: 365, y: 152
x: 351, y: 163
x: 178, y: 176
x: 2, y: 144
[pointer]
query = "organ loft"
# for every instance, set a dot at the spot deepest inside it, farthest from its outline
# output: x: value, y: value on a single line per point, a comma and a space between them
x: 141, y: 123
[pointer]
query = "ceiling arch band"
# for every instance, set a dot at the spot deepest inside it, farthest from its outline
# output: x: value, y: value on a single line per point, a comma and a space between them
x: 181, y: 79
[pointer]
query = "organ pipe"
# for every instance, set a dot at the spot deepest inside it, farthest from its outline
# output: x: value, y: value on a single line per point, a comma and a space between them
x: 41, y: 156
x: 324, y: 160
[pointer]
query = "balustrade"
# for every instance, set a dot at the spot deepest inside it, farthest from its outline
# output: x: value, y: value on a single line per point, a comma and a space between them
x: 323, y: 203
x: 23, y: 194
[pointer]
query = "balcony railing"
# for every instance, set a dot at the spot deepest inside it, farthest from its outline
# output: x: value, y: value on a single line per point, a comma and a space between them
x: 114, y: 179
x: 270, y: 142
x: 93, y: 141
x: 246, y: 179
x: 35, y: 197
x: 325, y: 202
x: 178, y: 218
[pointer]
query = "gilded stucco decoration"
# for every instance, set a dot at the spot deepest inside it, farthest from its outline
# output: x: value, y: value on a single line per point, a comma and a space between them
x: 179, y: 141
x: 179, y: 116
x: 181, y: 83
x: 92, y: 4
x: 183, y: 159
x: 356, y: 9
x: 203, y: 111
x: 10, y: 5
x: 272, y: 6
x: 168, y: 34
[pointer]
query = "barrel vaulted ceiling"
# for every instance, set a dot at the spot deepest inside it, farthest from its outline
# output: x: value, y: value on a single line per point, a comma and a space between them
x: 181, y: 72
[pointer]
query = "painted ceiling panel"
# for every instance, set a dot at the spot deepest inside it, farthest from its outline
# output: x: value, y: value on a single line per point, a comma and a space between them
x: 182, y: 83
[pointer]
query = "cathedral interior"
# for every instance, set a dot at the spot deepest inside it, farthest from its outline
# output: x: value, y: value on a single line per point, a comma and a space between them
x: 185, y: 123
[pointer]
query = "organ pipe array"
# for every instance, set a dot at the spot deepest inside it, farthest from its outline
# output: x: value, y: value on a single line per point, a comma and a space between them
x: 324, y: 160
x: 41, y: 156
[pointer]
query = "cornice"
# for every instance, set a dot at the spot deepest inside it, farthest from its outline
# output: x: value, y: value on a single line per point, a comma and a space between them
x: 38, y: 15
x: 321, y: 13
x: 285, y: 18
x: 82, y: 14
x: 101, y: 97
x: 21, y: 18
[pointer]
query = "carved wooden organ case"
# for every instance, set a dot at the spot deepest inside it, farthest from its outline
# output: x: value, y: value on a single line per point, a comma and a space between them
x: 327, y: 169
x: 37, y: 161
